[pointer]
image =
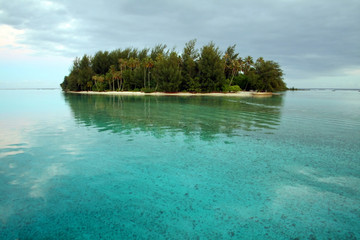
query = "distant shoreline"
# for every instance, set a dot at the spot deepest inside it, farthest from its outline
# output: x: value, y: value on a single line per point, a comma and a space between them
x: 131, y: 93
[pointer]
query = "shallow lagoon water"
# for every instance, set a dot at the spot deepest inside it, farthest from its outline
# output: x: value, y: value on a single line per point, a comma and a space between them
x: 129, y: 167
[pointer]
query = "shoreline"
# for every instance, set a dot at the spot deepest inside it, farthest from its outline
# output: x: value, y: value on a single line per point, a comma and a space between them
x: 131, y: 93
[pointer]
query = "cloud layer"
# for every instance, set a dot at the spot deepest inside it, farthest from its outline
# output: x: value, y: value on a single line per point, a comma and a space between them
x: 308, y: 38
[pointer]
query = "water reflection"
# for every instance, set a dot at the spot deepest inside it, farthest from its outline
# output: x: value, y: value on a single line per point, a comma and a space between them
x: 206, y: 116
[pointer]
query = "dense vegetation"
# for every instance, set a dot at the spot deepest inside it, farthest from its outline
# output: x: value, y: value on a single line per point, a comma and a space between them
x: 159, y: 69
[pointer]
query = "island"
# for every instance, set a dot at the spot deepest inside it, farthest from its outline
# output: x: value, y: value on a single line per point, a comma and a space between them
x: 164, y: 71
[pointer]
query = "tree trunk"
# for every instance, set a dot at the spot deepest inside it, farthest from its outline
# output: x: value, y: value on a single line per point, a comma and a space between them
x: 232, y: 77
x: 247, y: 82
x: 144, y: 77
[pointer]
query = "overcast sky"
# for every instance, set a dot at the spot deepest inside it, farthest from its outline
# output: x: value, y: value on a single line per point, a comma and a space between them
x: 316, y: 42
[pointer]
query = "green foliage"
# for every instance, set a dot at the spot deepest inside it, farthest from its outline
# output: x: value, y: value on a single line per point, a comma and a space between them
x: 80, y: 75
x: 230, y: 58
x: 167, y: 72
x: 101, y: 62
x: 160, y: 69
x: 211, y: 69
x: 194, y: 85
x: 270, y: 76
x: 157, y: 50
x: 189, y: 67
x: 147, y: 90
x: 64, y: 84
x: 251, y: 79
x: 230, y: 88
x: 235, y: 88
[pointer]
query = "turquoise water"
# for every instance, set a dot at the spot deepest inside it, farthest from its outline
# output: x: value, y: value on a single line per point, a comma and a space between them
x: 111, y: 167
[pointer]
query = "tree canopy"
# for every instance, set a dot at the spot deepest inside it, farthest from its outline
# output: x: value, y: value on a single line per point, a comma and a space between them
x: 162, y: 69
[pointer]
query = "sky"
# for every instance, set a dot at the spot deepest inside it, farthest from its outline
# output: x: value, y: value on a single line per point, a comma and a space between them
x: 316, y: 42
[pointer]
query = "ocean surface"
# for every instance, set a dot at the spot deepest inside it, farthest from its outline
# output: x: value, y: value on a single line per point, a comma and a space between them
x: 134, y: 167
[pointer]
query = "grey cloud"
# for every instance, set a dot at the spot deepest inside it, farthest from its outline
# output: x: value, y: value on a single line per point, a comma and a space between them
x: 306, y: 37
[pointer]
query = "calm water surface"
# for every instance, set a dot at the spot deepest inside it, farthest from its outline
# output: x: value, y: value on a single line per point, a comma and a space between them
x: 111, y: 167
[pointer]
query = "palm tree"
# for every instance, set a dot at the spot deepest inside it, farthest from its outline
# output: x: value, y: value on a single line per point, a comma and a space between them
x: 101, y: 79
x: 98, y: 79
x: 113, y: 75
x: 143, y: 64
x: 108, y: 77
x: 132, y: 63
x: 248, y: 63
x: 149, y: 64
x: 241, y: 64
x: 94, y: 78
x: 235, y: 68
x: 226, y: 60
x: 260, y: 60
x: 122, y: 66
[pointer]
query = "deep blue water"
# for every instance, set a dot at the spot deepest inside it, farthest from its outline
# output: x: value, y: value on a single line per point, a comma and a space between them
x: 111, y: 167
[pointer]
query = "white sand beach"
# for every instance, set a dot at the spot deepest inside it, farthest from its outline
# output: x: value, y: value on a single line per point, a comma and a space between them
x: 129, y: 93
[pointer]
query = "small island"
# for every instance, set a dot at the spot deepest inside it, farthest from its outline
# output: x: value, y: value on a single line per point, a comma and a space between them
x: 207, y: 70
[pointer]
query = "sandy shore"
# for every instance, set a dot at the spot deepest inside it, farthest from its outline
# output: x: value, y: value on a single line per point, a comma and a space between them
x: 128, y: 93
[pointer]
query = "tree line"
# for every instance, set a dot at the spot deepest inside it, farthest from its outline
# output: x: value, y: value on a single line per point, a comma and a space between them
x: 162, y: 69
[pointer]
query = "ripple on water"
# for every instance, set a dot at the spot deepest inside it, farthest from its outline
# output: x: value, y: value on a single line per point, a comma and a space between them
x: 182, y: 168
